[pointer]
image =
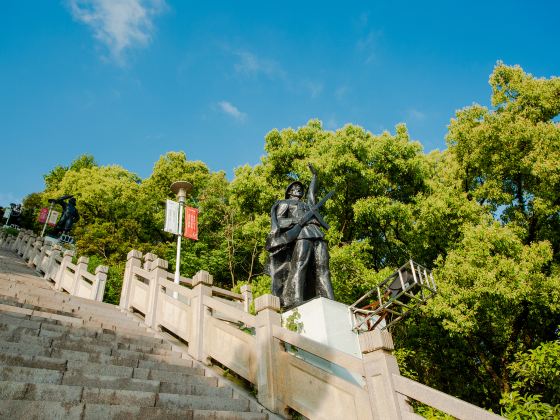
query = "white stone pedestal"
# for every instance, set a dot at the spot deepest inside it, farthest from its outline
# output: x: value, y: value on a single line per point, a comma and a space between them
x: 330, y: 323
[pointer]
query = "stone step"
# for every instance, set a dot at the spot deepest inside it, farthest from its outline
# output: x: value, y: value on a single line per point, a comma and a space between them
x: 89, y: 374
x: 58, y: 411
x: 29, y: 303
x: 15, y: 390
x: 41, y: 362
x: 196, y: 384
x: 34, y: 314
x: 154, y: 345
x: 76, y: 348
x: 93, y: 315
x: 76, y: 394
x: 177, y: 365
x: 28, y: 374
x: 95, y: 395
x: 17, y: 409
x: 16, y: 348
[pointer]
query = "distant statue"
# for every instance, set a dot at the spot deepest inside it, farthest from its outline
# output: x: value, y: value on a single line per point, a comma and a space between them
x: 69, y: 216
x: 299, y: 258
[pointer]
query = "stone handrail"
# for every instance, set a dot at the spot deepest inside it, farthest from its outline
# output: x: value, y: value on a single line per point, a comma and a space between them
x: 218, y: 327
x: 330, y: 354
x: 439, y: 400
x: 255, y: 348
x: 56, y: 268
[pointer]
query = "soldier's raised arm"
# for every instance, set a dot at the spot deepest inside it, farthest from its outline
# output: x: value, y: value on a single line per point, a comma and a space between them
x: 312, y: 191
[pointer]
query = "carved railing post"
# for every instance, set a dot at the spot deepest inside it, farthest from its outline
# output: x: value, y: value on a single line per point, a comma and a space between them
x: 15, y: 244
x: 247, y: 297
x: 133, y: 259
x: 22, y: 243
x: 38, y: 262
x: 98, y: 287
x: 379, y: 367
x: 50, y: 273
x: 34, y: 252
x: 28, y: 245
x: 158, y: 270
x: 66, y: 259
x: 202, y: 286
x: 148, y: 258
x: 269, y: 393
x: 81, y: 267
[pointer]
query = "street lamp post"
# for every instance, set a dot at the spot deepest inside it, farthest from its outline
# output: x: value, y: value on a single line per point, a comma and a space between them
x: 180, y: 188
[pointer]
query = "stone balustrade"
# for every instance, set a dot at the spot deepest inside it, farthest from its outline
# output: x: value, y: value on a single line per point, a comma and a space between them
x: 218, y: 328
x: 255, y: 348
x: 56, y: 265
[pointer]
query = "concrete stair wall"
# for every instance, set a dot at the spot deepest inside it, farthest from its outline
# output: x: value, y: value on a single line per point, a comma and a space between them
x: 71, y: 358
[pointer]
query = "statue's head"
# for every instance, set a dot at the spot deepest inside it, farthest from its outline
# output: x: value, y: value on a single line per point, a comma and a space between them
x: 72, y: 201
x: 295, y: 189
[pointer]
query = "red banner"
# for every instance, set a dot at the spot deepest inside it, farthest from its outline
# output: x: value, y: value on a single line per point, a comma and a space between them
x: 43, y: 215
x: 191, y: 223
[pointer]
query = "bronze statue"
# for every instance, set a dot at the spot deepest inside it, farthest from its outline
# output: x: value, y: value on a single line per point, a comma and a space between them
x: 70, y: 214
x: 299, y: 258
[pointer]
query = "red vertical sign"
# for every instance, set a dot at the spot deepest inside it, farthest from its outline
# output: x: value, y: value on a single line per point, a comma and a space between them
x: 43, y: 215
x: 191, y: 223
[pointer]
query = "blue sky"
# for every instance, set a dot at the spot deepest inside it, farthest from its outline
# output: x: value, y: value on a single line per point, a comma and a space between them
x: 128, y: 80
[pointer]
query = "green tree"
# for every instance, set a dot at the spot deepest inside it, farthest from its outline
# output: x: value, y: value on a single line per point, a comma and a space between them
x: 508, y: 157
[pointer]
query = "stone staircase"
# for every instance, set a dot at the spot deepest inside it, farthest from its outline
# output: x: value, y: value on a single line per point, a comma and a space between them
x: 64, y: 357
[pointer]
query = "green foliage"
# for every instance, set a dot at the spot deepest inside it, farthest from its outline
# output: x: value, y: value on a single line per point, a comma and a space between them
x: 538, y: 372
x: 293, y: 322
x: 508, y: 157
x: 115, y: 275
x: 10, y: 231
x: 518, y: 407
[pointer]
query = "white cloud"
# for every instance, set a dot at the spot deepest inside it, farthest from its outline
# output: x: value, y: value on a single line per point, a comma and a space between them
x: 250, y: 64
x: 118, y: 24
x: 341, y: 92
x: 314, y: 88
x: 416, y: 114
x: 367, y: 46
x: 232, y: 110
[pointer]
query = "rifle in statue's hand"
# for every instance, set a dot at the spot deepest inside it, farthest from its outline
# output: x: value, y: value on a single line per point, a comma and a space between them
x: 292, y: 234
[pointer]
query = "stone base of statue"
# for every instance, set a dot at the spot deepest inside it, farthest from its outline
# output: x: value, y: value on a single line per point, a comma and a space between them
x: 330, y: 323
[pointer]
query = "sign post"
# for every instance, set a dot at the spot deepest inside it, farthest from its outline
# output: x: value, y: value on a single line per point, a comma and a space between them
x: 44, y: 218
x: 180, y: 188
x: 7, y: 214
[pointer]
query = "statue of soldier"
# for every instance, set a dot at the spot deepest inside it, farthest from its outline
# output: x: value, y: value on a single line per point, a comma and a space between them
x: 299, y: 258
x: 69, y: 216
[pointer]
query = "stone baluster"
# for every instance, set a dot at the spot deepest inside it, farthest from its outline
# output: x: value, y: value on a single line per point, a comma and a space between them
x: 269, y: 380
x: 81, y: 268
x: 66, y: 259
x: 133, y: 259
x: 202, y: 286
x: 29, y: 247
x: 148, y: 258
x: 50, y: 269
x: 34, y: 252
x: 158, y: 270
x: 20, y: 242
x: 40, y: 265
x: 247, y: 294
x: 16, y: 243
x: 379, y: 367
x: 98, y: 287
